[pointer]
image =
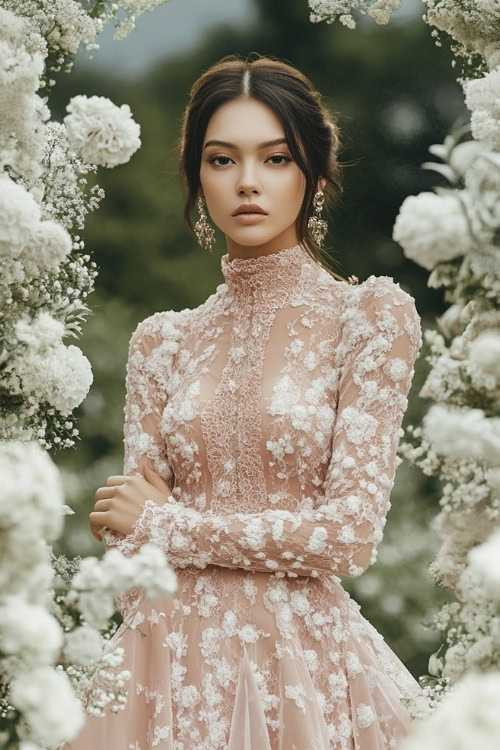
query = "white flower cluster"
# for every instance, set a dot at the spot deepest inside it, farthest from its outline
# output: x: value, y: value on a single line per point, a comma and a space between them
x: 473, y: 636
x: 100, y: 686
x: 471, y: 24
x: 42, y: 200
x: 42, y: 369
x: 29, y: 507
x: 22, y: 111
x: 328, y: 10
x: 434, y: 228
x: 132, y: 9
x: 468, y: 717
x: 454, y: 233
x: 485, y: 560
x: 100, y: 132
x: 462, y: 433
x: 98, y: 581
x: 92, y: 664
x: 460, y: 443
x: 482, y: 99
x: 43, y: 284
x: 56, y: 27
x: 30, y: 637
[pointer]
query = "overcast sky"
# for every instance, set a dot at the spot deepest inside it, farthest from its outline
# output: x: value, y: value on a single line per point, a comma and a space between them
x: 178, y: 25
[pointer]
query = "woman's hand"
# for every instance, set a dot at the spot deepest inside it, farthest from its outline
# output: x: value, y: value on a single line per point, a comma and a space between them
x: 120, y: 503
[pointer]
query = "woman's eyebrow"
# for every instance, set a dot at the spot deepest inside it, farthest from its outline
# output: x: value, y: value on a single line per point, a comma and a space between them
x: 275, y: 142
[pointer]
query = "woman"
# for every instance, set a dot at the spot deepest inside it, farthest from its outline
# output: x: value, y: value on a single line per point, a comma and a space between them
x: 260, y: 450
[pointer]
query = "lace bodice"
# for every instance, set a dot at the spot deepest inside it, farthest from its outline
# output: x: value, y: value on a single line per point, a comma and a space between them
x: 273, y: 411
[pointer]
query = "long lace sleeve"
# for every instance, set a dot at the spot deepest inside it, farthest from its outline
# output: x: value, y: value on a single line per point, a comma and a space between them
x: 338, y: 533
x: 151, y: 349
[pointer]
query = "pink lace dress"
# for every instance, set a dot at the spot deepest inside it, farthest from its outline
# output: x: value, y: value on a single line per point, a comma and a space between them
x: 273, y: 411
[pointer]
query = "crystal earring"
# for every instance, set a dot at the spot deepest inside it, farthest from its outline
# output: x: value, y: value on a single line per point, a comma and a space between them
x: 317, y: 226
x: 204, y: 232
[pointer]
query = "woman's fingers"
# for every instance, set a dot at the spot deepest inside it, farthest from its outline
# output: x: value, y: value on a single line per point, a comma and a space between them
x: 121, y: 501
x: 104, y: 492
x: 103, y: 495
x: 98, y: 518
x: 104, y: 504
x: 115, y: 479
x: 151, y: 476
x: 96, y: 531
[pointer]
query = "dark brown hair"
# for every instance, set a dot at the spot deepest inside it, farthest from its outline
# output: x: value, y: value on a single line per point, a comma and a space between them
x: 304, y: 118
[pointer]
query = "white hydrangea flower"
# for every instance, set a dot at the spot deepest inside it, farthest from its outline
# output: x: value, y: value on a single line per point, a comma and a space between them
x: 82, y: 646
x: 484, y: 351
x: 32, y: 492
x: 46, y: 699
x: 49, y: 245
x: 100, y: 132
x: 463, y: 433
x: 482, y: 180
x: 467, y: 717
x: 25, y: 566
x: 40, y: 334
x: 11, y: 26
x: 62, y: 375
x: 29, y: 632
x: 492, y: 477
x: 20, y: 216
x: 96, y: 609
x: 432, y: 229
x: 485, y: 562
x: 491, y: 53
x: 483, y: 100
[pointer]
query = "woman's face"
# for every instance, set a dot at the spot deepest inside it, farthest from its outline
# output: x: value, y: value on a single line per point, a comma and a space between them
x: 244, y: 170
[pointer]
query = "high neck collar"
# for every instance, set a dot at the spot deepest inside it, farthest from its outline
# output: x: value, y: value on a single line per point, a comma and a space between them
x: 279, y: 271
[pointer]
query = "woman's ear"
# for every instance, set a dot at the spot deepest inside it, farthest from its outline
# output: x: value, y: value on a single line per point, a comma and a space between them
x: 321, y: 183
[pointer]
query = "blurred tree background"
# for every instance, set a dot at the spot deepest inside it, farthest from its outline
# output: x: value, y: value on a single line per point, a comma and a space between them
x: 394, y: 94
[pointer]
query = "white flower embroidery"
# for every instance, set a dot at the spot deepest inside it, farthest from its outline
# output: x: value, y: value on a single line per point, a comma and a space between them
x: 296, y: 693
x: 365, y: 715
x: 190, y: 696
x: 248, y: 634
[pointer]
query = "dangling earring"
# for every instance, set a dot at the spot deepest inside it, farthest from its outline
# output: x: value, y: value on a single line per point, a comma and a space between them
x: 316, y: 225
x: 204, y: 232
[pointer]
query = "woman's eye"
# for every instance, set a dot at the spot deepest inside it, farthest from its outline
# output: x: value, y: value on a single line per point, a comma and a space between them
x: 214, y: 159
x: 280, y: 156
x: 275, y: 156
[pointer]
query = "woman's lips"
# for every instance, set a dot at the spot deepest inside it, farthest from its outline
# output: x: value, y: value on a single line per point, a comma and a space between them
x: 249, y: 218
